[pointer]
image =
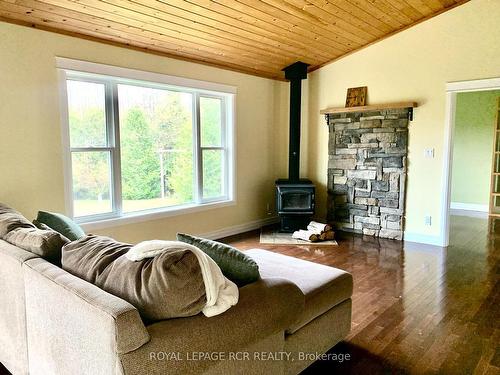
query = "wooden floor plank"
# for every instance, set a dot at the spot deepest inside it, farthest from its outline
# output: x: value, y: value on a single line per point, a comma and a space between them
x: 416, y: 309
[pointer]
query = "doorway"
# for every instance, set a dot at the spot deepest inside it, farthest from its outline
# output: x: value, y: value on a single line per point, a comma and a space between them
x: 472, y: 108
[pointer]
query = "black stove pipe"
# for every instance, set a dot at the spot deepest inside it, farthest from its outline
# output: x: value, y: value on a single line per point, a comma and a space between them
x: 295, y: 73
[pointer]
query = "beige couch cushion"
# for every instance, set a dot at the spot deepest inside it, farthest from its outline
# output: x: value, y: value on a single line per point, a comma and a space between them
x: 44, y: 243
x: 10, y: 219
x: 170, y: 285
x: 265, y: 308
x: 323, y: 287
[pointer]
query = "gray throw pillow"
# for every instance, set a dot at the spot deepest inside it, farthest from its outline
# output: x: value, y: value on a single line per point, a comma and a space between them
x: 234, y: 264
x: 170, y: 285
x: 10, y: 219
x: 44, y: 243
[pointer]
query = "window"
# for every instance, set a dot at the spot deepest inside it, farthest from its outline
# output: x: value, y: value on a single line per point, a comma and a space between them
x: 137, y: 146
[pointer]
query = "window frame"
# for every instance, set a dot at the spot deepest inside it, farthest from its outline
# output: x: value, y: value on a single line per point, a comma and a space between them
x: 111, y: 77
x: 200, y: 148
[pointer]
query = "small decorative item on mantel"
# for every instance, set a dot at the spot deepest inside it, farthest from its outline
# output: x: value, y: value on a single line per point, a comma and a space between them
x: 356, y: 96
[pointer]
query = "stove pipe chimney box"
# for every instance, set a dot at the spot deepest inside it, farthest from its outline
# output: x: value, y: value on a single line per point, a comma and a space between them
x: 294, y: 196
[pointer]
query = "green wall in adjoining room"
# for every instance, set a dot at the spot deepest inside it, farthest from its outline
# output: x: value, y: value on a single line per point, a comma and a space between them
x: 472, y: 146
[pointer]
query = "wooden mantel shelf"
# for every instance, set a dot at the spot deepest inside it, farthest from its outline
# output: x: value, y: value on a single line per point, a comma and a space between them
x: 367, y: 108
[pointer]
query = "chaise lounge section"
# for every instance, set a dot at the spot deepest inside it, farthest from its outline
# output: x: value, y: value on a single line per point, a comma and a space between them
x: 326, y: 317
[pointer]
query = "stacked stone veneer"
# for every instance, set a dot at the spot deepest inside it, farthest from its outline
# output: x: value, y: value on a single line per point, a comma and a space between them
x: 367, y: 171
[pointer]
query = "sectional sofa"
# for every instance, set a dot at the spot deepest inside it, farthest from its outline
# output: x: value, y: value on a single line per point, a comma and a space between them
x: 55, y: 323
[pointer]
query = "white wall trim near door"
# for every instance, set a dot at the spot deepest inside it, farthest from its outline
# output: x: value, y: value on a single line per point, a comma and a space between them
x: 474, y: 85
x: 469, y: 206
x: 422, y: 239
x: 241, y: 228
x: 452, y: 88
x: 449, y: 129
x: 469, y: 209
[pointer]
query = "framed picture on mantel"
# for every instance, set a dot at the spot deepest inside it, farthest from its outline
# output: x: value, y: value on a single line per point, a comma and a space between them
x: 356, y: 96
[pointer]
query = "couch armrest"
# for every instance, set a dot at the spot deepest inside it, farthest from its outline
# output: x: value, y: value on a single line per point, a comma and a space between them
x: 73, y: 325
x: 266, y: 307
x: 13, y: 339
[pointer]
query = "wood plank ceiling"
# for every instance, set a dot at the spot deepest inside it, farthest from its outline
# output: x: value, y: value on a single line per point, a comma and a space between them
x: 259, y: 37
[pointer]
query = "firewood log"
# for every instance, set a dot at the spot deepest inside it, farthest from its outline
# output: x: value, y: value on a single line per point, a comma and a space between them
x: 318, y: 227
x: 306, y: 235
x: 327, y: 236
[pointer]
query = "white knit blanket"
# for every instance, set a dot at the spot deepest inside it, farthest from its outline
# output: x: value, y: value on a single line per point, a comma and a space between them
x: 221, y: 292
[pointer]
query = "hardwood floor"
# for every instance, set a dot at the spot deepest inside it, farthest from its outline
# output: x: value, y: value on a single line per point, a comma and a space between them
x: 416, y: 309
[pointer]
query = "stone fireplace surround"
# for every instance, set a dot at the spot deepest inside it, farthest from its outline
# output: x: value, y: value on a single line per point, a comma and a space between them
x: 367, y: 171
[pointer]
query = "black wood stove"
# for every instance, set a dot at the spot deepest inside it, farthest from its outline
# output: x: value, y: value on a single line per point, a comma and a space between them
x: 294, y: 196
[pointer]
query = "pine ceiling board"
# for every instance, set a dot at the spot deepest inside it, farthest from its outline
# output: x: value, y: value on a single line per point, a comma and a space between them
x: 262, y: 19
x: 306, y: 11
x: 204, y: 26
x: 95, y: 15
x: 25, y: 19
x: 448, y: 3
x: 435, y: 5
x: 391, y: 11
x: 335, y: 16
x: 342, y: 10
x: 84, y: 26
x: 148, y: 23
x: 274, y: 13
x: 48, y: 25
x: 66, y: 23
x: 367, y: 6
x: 285, y: 38
x: 420, y: 6
x: 355, y: 12
x: 258, y: 37
x: 273, y: 50
x: 145, y: 17
x: 406, y: 9
x: 156, y: 39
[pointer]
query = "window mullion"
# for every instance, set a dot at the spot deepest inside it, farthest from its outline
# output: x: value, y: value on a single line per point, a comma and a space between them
x: 224, y: 145
x: 114, y: 142
x: 212, y: 148
x: 91, y: 149
x: 198, y: 167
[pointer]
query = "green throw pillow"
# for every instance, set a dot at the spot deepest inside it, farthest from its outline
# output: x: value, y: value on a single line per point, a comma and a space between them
x: 235, y: 265
x: 62, y: 224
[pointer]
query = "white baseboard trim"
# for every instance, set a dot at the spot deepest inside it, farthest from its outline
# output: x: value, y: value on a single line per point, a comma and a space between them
x: 256, y: 224
x: 469, y: 209
x: 476, y: 214
x: 469, y: 206
x: 240, y: 228
x: 423, y: 239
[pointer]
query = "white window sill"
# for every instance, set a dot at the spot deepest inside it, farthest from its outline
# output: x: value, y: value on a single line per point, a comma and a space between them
x: 160, y: 213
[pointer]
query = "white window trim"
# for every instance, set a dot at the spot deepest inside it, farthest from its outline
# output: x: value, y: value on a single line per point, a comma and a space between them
x: 140, y: 75
x: 203, y: 88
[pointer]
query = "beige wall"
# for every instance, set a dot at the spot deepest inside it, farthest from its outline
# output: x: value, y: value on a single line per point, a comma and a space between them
x: 31, y: 172
x: 462, y: 44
